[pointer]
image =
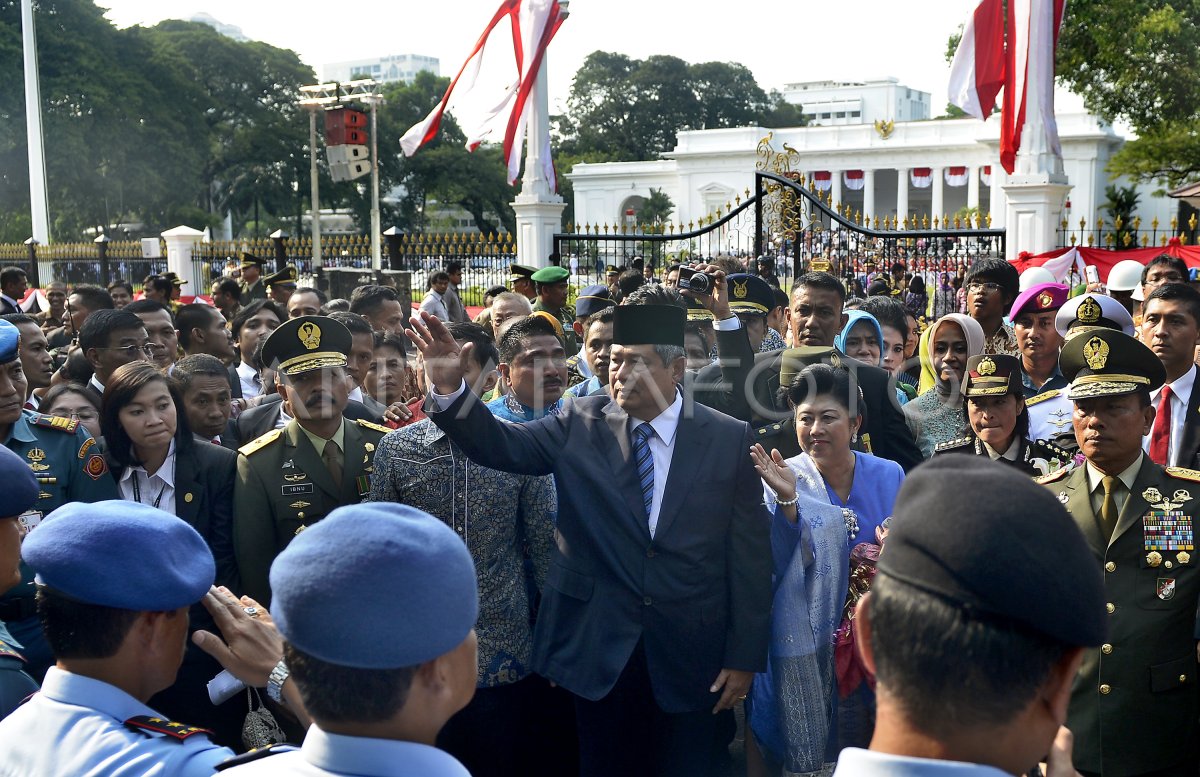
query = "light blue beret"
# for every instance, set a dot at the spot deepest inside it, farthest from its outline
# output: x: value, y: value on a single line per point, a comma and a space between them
x: 20, y: 485
x: 10, y: 342
x: 414, y: 573
x: 121, y: 554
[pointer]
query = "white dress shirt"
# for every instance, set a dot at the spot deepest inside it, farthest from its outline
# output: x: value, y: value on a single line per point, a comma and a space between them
x: 434, y: 305
x: 251, y: 382
x: 1181, y: 392
x: 96, y: 385
x: 157, y: 490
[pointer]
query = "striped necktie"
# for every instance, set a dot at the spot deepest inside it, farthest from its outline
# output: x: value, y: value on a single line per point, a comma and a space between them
x: 645, y: 463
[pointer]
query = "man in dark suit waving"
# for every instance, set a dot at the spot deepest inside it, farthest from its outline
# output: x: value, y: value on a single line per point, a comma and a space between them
x: 656, y: 608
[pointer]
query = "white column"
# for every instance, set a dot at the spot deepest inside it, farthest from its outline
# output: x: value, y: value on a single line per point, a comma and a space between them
x: 972, y: 186
x: 181, y: 241
x: 998, y: 199
x: 538, y: 211
x: 868, y: 193
x: 939, y: 201
x: 901, y: 194
x: 38, y: 199
x: 835, y: 178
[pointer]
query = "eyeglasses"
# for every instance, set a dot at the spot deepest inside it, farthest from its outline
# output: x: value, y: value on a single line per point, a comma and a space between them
x: 83, y: 415
x: 990, y: 288
x: 131, y: 350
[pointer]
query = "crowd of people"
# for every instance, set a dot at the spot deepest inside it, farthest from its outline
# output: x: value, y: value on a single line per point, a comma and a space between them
x: 895, y: 527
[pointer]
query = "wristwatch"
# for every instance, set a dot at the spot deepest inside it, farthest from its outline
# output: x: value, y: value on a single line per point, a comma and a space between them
x: 275, y: 681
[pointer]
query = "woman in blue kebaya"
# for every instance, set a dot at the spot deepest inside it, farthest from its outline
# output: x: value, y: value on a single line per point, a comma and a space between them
x: 829, y: 508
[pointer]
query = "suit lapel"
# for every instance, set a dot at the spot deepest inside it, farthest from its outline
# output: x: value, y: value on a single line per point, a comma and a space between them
x: 1190, y: 444
x: 619, y: 455
x: 689, y: 442
x: 308, y: 460
x: 187, y: 489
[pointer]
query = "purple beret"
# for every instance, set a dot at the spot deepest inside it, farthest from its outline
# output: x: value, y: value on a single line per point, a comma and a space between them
x: 1040, y: 298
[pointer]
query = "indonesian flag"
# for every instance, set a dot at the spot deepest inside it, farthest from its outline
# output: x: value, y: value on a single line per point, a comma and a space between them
x: 921, y: 177
x: 823, y: 180
x: 977, y: 72
x: 507, y: 109
x: 854, y: 180
x: 985, y: 177
x: 1012, y: 118
x: 956, y: 176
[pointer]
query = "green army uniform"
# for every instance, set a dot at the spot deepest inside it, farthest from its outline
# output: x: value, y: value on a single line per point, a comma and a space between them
x: 258, y: 289
x: 284, y: 483
x: 69, y: 468
x: 1135, y: 701
x: 566, y: 317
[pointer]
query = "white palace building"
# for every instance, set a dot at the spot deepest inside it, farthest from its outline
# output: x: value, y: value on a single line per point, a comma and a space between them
x: 878, y: 163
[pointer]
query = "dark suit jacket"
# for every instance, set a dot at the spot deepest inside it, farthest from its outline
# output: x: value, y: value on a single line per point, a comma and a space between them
x: 1147, y: 720
x: 204, y: 478
x: 698, y: 593
x: 885, y: 433
x: 235, y: 382
x: 1189, y: 448
x: 7, y: 307
x: 256, y: 421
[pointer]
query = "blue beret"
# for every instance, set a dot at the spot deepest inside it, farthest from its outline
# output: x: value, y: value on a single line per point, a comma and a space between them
x: 10, y: 342
x: 20, y: 485
x: 593, y: 299
x: 1014, y: 553
x: 121, y: 554
x: 424, y: 599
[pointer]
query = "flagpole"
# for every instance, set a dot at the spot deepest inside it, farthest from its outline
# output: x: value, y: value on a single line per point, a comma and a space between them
x: 38, y: 200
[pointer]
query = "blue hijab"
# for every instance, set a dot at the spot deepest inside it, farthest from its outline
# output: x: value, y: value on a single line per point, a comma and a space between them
x: 855, y: 317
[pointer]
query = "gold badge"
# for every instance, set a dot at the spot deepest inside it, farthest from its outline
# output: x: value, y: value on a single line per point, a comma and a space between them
x: 835, y: 361
x: 987, y: 366
x: 1154, y: 558
x: 370, y: 446
x: 299, y: 505
x: 302, y: 527
x: 187, y: 497
x: 1089, y: 311
x: 1158, y: 501
x: 310, y: 336
x: 295, y: 478
x: 1095, y: 353
x: 1183, y: 557
x: 1045, y: 299
x: 739, y: 289
x: 36, y: 456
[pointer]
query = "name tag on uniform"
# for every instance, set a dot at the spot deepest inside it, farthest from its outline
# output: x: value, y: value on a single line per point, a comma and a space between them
x: 296, y: 489
x: 29, y: 520
x: 1167, y: 530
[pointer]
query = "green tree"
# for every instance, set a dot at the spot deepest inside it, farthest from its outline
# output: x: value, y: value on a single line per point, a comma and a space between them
x: 1120, y: 204
x: 656, y: 209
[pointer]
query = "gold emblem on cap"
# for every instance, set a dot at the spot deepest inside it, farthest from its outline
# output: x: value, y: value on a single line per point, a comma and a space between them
x: 1095, y: 353
x: 835, y: 361
x: 310, y: 335
x: 1045, y: 299
x: 987, y: 366
x: 1089, y: 311
x: 739, y: 289
x: 1154, y: 558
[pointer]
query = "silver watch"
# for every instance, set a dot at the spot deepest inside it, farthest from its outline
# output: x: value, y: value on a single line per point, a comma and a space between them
x: 275, y: 681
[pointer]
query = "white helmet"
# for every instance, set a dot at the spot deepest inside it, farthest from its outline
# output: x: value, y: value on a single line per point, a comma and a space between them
x: 1125, y: 275
x: 1035, y: 275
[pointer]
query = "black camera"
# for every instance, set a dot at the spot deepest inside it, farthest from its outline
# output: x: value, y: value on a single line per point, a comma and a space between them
x: 695, y: 281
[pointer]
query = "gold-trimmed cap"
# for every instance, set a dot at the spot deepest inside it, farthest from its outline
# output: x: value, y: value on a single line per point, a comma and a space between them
x: 992, y: 375
x: 307, y: 343
x: 749, y: 294
x: 1108, y: 363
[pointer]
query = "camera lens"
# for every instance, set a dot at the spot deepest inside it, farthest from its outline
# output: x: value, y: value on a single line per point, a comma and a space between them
x: 699, y: 283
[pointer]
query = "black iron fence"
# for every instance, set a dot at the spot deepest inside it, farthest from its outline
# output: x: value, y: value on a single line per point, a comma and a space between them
x: 1120, y: 234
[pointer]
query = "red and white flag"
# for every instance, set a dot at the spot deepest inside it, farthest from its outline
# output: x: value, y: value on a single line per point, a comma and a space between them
x: 854, y: 180
x: 977, y: 72
x: 1016, y: 82
x: 822, y: 180
x: 956, y: 176
x: 921, y: 177
x: 508, y: 107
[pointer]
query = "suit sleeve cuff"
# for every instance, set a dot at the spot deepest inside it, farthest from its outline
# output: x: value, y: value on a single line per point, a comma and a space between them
x: 443, y: 401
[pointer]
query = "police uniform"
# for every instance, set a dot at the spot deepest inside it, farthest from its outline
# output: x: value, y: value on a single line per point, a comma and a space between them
x: 258, y: 289
x: 79, y: 724
x: 21, y: 493
x: 591, y: 300
x: 1134, y: 705
x: 283, y: 485
x: 566, y: 314
x: 994, y: 376
x: 424, y: 605
x: 69, y: 468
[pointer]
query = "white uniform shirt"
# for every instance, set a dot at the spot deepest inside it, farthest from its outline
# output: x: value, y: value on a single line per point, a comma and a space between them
x: 335, y: 754
x: 157, y: 490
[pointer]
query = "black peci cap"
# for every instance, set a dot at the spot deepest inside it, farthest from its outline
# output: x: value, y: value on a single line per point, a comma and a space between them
x: 648, y: 325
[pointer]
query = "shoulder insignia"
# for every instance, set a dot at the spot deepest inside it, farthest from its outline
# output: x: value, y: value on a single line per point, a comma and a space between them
x: 172, y: 729
x: 259, y: 443
x: 87, y: 446
x: 254, y: 755
x: 55, y: 422
x: 377, y: 427
x: 8, y: 651
x: 1056, y: 475
x: 1184, y: 474
x: 1043, y: 397
x: 95, y: 466
x: 961, y: 442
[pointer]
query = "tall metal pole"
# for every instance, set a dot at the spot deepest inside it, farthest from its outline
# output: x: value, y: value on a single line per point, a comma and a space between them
x: 39, y: 203
x: 376, y: 254
x: 315, y: 185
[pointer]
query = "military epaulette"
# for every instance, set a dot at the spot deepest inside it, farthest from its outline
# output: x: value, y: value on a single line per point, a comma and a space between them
x: 1051, y: 477
x: 1043, y: 397
x: 768, y: 430
x: 1184, y: 474
x: 376, y: 427
x: 256, y: 754
x: 172, y: 729
x: 55, y: 422
x: 259, y: 443
x: 8, y: 651
x: 961, y: 442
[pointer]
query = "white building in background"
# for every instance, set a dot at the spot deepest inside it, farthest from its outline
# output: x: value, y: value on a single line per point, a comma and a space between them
x: 916, y: 169
x: 228, y: 30
x: 835, y: 103
x: 385, y: 70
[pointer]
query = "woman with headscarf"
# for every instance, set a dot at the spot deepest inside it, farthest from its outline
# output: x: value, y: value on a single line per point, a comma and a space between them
x: 862, y: 339
x: 916, y: 300
x: 935, y: 416
x: 945, y: 298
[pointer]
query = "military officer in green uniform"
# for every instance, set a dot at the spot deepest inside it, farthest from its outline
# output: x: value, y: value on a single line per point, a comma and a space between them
x: 1134, y: 704
x: 552, y: 291
x: 252, y: 285
x: 282, y: 284
x: 68, y: 467
x: 290, y: 478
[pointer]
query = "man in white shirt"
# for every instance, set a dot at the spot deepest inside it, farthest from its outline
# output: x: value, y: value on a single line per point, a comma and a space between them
x: 1171, y: 328
x: 435, y: 303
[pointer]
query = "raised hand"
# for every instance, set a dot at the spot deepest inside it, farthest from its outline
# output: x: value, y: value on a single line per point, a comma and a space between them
x: 774, y: 471
x: 716, y: 302
x: 444, y: 358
